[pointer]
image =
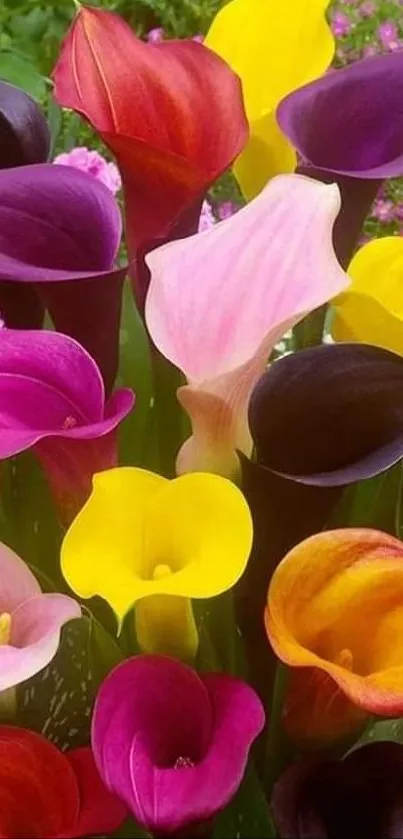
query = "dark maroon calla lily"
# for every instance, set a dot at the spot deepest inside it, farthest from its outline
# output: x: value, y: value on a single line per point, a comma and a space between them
x: 52, y: 399
x: 320, y: 419
x: 359, y: 796
x: 24, y: 132
x: 172, y: 113
x: 342, y: 125
x: 60, y: 231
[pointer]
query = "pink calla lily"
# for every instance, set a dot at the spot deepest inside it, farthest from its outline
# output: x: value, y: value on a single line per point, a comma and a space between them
x: 219, y: 301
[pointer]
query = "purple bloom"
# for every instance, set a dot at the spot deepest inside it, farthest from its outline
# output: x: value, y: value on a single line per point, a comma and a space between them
x: 207, y: 218
x: 226, y: 209
x: 387, y: 33
x: 60, y: 231
x: 340, y: 24
x: 155, y: 36
x: 30, y: 622
x: 367, y: 9
x: 383, y: 210
x: 342, y: 125
x: 24, y: 133
x: 52, y: 399
x: 92, y: 162
x: 361, y: 795
x: 172, y: 744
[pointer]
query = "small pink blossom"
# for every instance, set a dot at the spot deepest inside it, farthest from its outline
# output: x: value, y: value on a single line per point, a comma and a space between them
x: 226, y: 209
x: 383, y: 210
x: 90, y: 161
x: 369, y: 51
x: 367, y: 9
x: 155, y: 36
x: 207, y: 219
x: 340, y: 24
x: 387, y: 33
x: 198, y: 38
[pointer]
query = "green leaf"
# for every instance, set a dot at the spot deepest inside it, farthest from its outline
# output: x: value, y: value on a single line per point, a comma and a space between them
x: 248, y: 815
x: 55, y: 124
x: 371, y: 503
x: 380, y: 731
x: 137, y: 432
x: 58, y: 701
x: 20, y: 72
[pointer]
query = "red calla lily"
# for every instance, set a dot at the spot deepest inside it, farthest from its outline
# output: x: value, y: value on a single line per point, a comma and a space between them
x: 172, y: 113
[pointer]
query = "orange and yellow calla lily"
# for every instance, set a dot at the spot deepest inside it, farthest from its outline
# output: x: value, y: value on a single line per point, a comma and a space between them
x: 142, y: 539
x: 335, y: 607
x: 371, y: 311
x: 274, y: 48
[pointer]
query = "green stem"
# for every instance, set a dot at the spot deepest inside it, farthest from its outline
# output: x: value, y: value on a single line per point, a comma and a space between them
x: 309, y: 332
x: 276, y: 743
x: 172, y: 427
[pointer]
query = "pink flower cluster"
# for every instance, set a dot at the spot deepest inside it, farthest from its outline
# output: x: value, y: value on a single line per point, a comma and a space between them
x: 90, y: 161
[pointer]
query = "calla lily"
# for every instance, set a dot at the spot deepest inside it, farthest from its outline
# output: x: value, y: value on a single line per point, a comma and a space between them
x: 171, y: 743
x: 360, y: 795
x: 24, y: 132
x: 59, y: 235
x: 275, y: 48
x: 52, y: 399
x: 361, y: 96
x: 30, y: 622
x: 372, y: 310
x: 320, y: 419
x: 44, y: 792
x: 142, y: 539
x: 171, y: 112
x: 219, y: 302
x: 334, y: 609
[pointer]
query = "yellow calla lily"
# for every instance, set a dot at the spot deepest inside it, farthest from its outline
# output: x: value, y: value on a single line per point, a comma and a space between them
x: 372, y: 310
x: 275, y: 48
x: 141, y: 538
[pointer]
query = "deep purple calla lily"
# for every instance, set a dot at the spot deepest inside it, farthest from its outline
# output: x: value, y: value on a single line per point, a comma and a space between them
x: 361, y: 795
x: 341, y: 124
x: 52, y: 399
x: 60, y: 231
x: 24, y: 132
x: 320, y: 419
x: 173, y: 744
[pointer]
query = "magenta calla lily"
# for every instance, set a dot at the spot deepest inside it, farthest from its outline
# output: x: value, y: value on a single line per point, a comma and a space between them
x: 219, y: 301
x: 60, y: 231
x: 30, y: 622
x: 171, y: 743
x: 52, y: 399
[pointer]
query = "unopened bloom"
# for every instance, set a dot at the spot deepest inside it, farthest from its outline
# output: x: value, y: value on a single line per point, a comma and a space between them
x: 51, y: 794
x: 89, y: 160
x: 334, y: 614
x: 146, y: 541
x: 219, y: 302
x: 24, y: 133
x: 30, y: 622
x: 171, y: 743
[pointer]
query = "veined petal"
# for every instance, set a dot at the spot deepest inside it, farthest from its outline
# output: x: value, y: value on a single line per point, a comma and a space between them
x: 17, y: 581
x: 197, y: 529
x: 334, y: 604
x: 372, y: 310
x: 215, y: 297
x: 361, y: 96
x: 282, y: 47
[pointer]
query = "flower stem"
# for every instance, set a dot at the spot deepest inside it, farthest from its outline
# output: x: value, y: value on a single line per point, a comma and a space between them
x: 276, y: 743
x: 171, y: 420
x: 309, y: 332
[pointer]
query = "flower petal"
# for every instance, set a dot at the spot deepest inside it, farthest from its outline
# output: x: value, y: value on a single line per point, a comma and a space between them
x: 35, y: 635
x: 336, y: 598
x: 198, y: 525
x: 172, y: 113
x: 24, y: 133
x: 17, y: 582
x: 100, y: 811
x: 282, y: 47
x: 214, y: 298
x: 59, y: 225
x: 372, y: 311
x: 361, y: 96
x: 152, y: 712
x: 38, y: 789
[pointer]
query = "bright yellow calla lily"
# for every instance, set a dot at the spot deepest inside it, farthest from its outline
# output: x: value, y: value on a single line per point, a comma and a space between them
x: 372, y: 310
x: 141, y: 538
x: 275, y: 48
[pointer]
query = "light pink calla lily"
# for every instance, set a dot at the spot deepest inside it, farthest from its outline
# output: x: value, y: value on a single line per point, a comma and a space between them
x: 219, y: 301
x: 30, y: 622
